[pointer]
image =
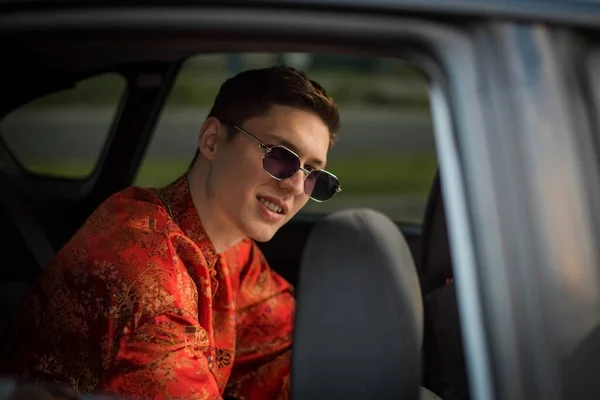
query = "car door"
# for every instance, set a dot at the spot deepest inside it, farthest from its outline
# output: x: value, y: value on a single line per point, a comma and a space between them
x: 530, y: 185
x: 514, y: 136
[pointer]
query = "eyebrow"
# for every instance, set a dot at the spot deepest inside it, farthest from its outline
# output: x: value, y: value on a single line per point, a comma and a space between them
x: 314, y: 161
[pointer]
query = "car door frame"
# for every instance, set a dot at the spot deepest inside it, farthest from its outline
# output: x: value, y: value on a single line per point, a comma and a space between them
x: 497, y: 187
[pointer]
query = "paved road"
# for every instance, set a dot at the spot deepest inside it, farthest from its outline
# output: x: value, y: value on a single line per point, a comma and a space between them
x: 81, y: 134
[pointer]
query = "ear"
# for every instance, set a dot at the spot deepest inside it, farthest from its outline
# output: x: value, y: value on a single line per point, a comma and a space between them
x: 212, y: 134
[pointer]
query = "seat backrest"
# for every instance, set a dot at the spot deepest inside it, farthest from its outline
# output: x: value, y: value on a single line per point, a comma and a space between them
x: 11, y: 294
x: 26, y: 246
x: 359, y: 312
x: 443, y: 347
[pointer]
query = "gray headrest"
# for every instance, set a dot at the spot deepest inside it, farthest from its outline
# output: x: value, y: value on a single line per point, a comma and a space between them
x: 359, y: 313
x: 437, y: 263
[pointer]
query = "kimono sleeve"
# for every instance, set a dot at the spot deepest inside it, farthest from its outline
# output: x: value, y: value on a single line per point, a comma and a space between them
x: 165, y: 358
x: 156, y: 347
x: 265, y: 313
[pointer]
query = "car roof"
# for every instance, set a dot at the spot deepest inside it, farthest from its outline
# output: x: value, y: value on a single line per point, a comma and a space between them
x: 46, y: 43
x: 586, y: 12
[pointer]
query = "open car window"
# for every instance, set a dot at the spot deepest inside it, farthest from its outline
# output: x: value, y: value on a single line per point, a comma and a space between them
x: 385, y: 157
x: 63, y: 134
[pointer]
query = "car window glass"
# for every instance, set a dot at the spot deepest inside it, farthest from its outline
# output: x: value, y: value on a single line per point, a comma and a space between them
x: 385, y: 157
x: 63, y: 134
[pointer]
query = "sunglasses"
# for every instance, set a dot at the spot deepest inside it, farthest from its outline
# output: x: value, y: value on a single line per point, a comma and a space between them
x: 282, y: 163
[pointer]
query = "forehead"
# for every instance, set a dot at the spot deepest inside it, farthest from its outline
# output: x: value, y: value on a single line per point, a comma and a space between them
x: 301, y: 131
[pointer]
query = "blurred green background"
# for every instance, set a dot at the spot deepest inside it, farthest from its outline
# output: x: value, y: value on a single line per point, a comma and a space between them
x: 385, y: 157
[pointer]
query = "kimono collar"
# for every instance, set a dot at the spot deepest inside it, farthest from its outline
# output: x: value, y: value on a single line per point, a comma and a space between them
x: 178, y: 202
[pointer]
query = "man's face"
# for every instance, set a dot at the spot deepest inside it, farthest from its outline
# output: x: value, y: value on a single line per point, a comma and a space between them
x: 243, y: 190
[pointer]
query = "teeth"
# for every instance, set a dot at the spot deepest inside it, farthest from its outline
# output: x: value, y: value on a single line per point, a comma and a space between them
x: 271, y: 206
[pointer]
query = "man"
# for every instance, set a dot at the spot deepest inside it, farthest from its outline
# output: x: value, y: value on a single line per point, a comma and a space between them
x: 164, y: 293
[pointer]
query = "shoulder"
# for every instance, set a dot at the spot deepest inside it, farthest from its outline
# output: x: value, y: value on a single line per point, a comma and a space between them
x: 131, y: 203
x: 121, y: 260
x: 124, y: 241
x: 133, y: 213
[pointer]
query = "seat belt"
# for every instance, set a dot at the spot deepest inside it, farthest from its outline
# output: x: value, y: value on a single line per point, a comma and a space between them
x: 29, y: 228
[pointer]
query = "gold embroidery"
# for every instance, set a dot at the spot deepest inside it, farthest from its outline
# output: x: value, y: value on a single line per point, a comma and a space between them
x: 190, y: 329
x: 146, y: 223
x: 224, y: 357
x: 139, y: 304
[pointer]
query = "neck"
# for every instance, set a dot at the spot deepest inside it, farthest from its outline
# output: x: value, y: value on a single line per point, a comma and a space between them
x: 220, y: 230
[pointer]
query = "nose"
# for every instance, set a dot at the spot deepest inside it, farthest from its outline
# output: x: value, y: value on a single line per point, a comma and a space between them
x: 294, y: 183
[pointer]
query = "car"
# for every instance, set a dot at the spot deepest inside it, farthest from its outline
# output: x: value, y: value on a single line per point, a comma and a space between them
x: 496, y: 192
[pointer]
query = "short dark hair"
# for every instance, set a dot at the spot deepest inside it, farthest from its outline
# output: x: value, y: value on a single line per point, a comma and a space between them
x: 253, y: 92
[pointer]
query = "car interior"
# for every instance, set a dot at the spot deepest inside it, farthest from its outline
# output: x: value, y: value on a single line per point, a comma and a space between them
x: 41, y: 208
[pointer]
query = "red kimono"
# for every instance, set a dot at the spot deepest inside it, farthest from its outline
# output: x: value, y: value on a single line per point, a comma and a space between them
x: 139, y: 304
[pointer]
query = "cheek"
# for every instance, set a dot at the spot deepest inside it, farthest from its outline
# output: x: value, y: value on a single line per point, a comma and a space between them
x: 241, y: 173
x: 299, y: 204
x: 252, y: 175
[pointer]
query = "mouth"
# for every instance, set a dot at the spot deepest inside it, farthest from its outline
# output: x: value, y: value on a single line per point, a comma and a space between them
x: 273, y: 205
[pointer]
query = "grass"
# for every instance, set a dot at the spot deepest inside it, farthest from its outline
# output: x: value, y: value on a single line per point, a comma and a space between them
x: 388, y: 173
x: 359, y: 175
x: 396, y: 184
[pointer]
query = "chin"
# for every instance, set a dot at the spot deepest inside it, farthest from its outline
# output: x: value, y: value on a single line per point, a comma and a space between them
x: 262, y: 237
x: 262, y: 234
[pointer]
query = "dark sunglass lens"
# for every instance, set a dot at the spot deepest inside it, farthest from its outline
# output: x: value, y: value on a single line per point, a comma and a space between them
x: 281, y: 163
x: 320, y: 185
